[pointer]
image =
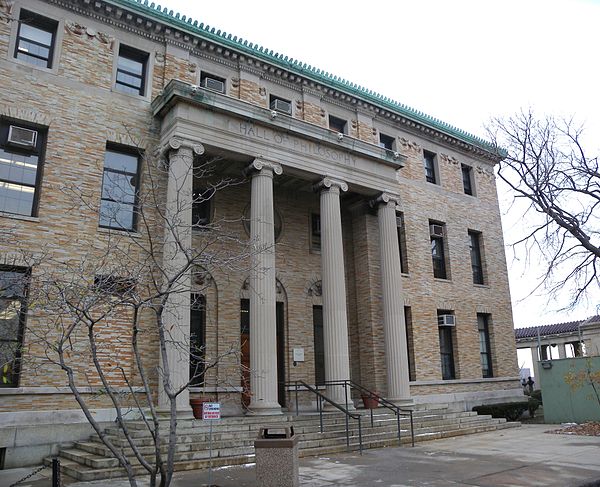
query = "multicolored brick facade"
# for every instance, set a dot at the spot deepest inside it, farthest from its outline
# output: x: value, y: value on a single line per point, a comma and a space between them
x: 76, y: 100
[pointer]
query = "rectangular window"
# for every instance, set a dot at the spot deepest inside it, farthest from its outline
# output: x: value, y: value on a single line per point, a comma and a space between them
x: 402, y: 243
x: 280, y: 105
x: 319, y: 345
x: 119, y: 189
x: 446, y: 346
x: 476, y: 260
x: 35, y: 39
x: 315, y: 231
x: 13, y: 294
x: 437, y: 232
x: 410, y: 343
x: 337, y: 124
x: 197, y: 339
x: 21, y: 154
x: 386, y: 141
x: 201, y: 208
x: 429, y: 164
x: 131, y: 70
x: 212, y: 82
x: 467, y: 178
x: 485, y: 350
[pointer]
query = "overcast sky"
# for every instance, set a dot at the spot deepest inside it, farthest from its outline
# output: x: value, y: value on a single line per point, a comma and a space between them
x: 461, y: 61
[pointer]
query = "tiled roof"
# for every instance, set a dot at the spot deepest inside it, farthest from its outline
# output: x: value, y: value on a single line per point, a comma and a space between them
x: 555, y: 329
x: 298, y: 67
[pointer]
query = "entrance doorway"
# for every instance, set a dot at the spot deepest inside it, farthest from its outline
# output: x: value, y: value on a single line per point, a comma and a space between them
x: 245, y: 351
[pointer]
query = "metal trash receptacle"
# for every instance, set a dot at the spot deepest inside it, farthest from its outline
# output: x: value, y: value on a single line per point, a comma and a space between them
x: 276, y: 450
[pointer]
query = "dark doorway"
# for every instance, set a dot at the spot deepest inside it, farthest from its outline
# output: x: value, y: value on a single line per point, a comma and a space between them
x: 319, y: 345
x: 245, y: 351
x: 197, y: 339
x: 280, y: 320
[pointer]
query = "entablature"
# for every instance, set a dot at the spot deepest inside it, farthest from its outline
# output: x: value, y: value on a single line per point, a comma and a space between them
x: 163, y: 26
x: 237, y: 126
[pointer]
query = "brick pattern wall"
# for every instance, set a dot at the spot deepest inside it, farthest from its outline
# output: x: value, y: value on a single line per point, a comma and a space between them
x: 314, y: 114
x: 83, y: 113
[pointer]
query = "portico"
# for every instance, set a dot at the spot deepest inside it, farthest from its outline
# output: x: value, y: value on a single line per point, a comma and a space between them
x: 274, y: 145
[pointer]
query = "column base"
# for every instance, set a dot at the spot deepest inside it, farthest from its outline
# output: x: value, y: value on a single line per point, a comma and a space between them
x: 272, y: 409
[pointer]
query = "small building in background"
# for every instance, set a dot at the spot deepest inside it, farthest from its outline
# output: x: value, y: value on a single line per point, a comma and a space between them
x: 560, y: 340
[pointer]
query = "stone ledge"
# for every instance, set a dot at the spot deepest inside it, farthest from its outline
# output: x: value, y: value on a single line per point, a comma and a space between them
x: 461, y: 381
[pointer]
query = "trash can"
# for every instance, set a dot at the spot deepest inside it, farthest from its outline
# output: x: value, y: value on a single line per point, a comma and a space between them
x: 276, y: 450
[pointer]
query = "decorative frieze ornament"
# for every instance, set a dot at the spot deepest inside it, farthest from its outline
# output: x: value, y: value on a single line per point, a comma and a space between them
x: 6, y: 6
x: 89, y: 33
x: 488, y: 173
x: 315, y: 289
x: 449, y: 159
x: 409, y: 145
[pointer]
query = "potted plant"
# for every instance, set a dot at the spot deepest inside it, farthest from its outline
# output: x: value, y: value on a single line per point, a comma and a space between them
x: 370, y: 401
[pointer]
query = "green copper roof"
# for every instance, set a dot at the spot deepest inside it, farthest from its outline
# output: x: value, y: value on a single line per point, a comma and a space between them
x: 182, y: 22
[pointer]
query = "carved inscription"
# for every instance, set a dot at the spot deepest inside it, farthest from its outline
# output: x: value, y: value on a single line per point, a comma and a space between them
x: 257, y: 132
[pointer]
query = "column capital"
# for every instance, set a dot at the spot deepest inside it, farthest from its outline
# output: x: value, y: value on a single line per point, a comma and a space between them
x: 329, y: 183
x: 259, y: 164
x: 385, y: 198
x: 175, y: 143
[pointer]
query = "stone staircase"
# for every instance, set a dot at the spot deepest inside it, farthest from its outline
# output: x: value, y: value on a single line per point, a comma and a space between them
x: 233, y: 438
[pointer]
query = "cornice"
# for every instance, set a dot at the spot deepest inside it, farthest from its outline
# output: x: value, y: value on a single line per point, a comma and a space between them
x: 154, y: 22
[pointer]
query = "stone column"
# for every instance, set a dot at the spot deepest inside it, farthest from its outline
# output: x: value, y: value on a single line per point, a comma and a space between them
x: 262, y: 288
x: 335, y: 321
x: 177, y: 242
x: 536, y: 363
x: 394, y: 327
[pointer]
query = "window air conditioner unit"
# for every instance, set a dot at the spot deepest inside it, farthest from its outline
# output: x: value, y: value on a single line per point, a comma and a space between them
x: 436, y: 230
x: 213, y: 84
x: 446, y: 320
x: 22, y: 137
x: 281, y: 106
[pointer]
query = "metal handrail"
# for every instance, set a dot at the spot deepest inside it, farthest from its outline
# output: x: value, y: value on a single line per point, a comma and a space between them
x: 322, y: 397
x: 397, y: 410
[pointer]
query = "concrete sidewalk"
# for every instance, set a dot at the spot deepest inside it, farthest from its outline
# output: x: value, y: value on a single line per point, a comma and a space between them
x: 517, y: 457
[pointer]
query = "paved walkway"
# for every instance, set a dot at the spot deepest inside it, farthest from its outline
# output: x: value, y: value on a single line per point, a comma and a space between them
x: 517, y: 457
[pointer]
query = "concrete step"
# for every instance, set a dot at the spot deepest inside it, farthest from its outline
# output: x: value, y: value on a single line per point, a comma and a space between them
x: 233, y: 439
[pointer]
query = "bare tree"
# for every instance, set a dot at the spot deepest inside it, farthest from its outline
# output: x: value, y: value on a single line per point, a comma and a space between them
x: 94, y: 314
x: 546, y: 166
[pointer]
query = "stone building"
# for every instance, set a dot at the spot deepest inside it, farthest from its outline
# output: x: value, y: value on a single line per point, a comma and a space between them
x: 560, y: 340
x: 382, y: 254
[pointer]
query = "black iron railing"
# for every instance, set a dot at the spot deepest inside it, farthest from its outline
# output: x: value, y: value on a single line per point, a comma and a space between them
x: 398, y: 411
x: 323, y: 398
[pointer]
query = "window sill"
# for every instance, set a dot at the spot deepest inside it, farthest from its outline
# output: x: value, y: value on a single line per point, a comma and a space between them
x: 120, y: 233
x: 439, y: 279
x: 14, y: 216
x: 436, y: 382
x: 405, y: 274
x: 146, y: 98
x: 481, y: 286
x: 53, y: 70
